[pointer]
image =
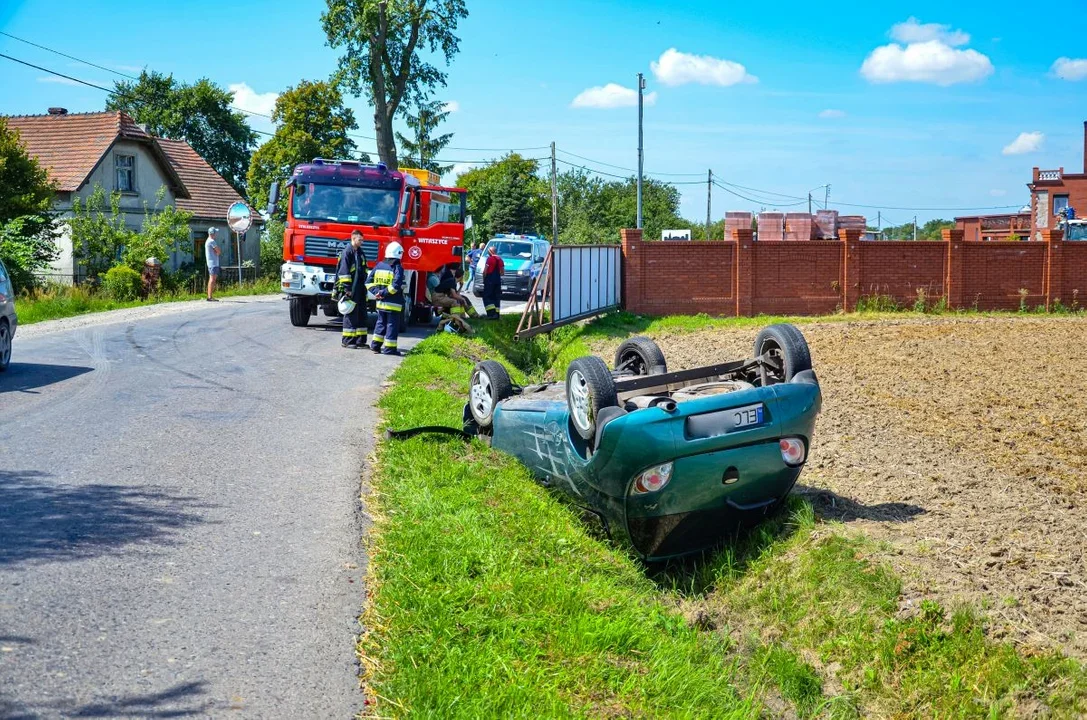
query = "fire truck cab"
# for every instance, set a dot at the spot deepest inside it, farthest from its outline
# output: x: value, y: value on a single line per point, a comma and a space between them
x: 327, y: 199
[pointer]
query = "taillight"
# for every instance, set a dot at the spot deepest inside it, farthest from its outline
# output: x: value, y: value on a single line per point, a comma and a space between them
x: 793, y: 451
x: 651, y: 479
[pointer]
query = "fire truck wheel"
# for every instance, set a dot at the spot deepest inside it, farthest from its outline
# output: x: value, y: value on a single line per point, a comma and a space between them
x: 300, y: 311
x: 407, y: 316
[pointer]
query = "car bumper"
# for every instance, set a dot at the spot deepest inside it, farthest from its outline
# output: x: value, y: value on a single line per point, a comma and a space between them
x: 308, y: 280
x: 511, y: 285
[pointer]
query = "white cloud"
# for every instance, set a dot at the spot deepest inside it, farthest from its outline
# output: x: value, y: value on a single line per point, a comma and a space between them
x: 931, y: 61
x: 128, y: 68
x: 832, y: 114
x: 1069, y: 69
x: 451, y: 107
x: 610, y: 96
x: 912, y: 31
x: 677, y: 68
x: 58, y: 80
x: 250, y: 100
x: 458, y: 169
x: 998, y: 193
x: 1027, y: 142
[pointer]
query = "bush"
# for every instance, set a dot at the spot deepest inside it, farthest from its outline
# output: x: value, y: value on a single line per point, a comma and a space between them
x: 122, y: 283
x: 271, y: 249
x: 27, y: 247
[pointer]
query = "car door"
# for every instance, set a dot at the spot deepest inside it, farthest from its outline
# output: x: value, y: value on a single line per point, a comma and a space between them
x: 7, y: 296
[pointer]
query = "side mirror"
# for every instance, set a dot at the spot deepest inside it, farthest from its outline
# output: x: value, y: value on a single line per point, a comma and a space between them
x: 273, y: 198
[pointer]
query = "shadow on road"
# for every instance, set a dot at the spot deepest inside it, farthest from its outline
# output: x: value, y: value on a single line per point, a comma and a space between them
x: 27, y: 377
x: 42, y: 521
x: 182, y: 700
x: 832, y: 506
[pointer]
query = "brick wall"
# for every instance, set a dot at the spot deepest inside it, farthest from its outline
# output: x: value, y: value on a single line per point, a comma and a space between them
x: 742, y: 277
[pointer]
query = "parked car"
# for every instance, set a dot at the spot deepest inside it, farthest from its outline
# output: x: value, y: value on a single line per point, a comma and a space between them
x: 523, y: 256
x: 8, y: 320
x: 672, y: 462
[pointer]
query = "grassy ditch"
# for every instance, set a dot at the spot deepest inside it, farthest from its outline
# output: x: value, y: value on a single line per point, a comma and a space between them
x: 491, y: 597
x: 61, y: 302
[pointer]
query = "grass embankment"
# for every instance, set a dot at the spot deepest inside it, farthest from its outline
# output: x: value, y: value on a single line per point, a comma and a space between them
x: 61, y: 302
x: 491, y: 597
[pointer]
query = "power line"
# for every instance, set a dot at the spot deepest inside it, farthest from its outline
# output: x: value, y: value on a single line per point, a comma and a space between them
x: 626, y: 169
x: 65, y: 55
x: 753, y: 200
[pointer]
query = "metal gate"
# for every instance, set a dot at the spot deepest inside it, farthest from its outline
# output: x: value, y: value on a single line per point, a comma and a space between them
x: 577, y: 282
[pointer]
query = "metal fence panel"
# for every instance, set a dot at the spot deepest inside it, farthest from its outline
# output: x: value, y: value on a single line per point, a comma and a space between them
x: 586, y: 280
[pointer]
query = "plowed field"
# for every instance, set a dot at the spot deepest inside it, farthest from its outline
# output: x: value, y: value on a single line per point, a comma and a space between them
x: 961, y: 443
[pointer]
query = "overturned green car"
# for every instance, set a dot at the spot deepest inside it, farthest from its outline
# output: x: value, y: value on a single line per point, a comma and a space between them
x: 672, y: 462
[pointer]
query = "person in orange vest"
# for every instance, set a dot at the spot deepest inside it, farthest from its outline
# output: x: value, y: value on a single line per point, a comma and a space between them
x: 492, y: 282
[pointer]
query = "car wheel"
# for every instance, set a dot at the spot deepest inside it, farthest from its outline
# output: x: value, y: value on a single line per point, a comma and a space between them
x: 641, y: 356
x: 786, y: 346
x: 5, y: 345
x: 300, y: 311
x: 589, y: 389
x: 490, y: 385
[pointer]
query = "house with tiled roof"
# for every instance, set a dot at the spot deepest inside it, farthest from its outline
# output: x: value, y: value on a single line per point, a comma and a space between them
x: 109, y: 149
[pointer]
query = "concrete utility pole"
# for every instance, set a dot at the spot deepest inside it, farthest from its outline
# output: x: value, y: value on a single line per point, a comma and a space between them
x: 709, y: 200
x: 809, y: 203
x: 554, y: 199
x: 826, y: 197
x: 915, y: 228
x: 641, y: 86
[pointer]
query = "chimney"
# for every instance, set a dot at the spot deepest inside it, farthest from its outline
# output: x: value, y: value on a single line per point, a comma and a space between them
x: 64, y: 111
x: 1085, y: 147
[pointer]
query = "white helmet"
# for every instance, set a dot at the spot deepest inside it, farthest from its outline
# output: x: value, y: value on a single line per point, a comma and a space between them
x: 345, y: 305
x: 394, y: 251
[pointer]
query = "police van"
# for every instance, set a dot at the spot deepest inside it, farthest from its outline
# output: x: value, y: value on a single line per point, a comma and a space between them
x: 523, y: 256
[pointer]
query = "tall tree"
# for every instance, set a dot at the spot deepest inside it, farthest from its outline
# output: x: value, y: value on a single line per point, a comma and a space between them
x: 487, y: 185
x: 26, y: 219
x: 312, y: 121
x: 421, y: 150
x: 383, y: 43
x: 200, y: 114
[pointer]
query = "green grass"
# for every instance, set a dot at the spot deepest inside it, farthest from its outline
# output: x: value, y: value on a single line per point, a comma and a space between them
x: 62, y: 302
x: 492, y: 598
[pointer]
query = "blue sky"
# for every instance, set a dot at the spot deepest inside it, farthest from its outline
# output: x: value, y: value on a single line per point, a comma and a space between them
x: 899, y: 105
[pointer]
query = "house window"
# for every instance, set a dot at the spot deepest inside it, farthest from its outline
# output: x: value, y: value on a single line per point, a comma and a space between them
x: 1060, y: 202
x: 125, y: 166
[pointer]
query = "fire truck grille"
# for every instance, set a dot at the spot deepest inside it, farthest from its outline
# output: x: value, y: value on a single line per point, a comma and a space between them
x: 331, y: 247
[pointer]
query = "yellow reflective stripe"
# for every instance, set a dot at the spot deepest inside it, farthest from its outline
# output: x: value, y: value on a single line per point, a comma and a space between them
x: 389, y: 306
x: 456, y: 310
x: 489, y: 307
x: 390, y: 343
x: 378, y: 338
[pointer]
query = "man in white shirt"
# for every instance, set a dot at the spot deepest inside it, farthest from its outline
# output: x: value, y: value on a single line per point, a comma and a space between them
x: 211, y: 254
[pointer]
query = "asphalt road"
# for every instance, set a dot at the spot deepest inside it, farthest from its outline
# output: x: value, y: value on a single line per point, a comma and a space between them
x: 179, y: 517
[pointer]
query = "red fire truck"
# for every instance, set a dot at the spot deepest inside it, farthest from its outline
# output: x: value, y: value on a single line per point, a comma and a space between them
x: 327, y: 199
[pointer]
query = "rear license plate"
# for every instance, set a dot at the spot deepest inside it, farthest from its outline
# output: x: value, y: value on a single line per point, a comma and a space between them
x: 747, y: 416
x: 723, y: 422
x: 330, y: 278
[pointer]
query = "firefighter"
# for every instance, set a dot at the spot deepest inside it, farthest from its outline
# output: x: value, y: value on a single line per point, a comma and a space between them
x: 351, y: 286
x: 492, y: 282
x: 386, y: 282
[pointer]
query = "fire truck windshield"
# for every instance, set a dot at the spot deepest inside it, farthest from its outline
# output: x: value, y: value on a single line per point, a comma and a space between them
x: 345, y: 204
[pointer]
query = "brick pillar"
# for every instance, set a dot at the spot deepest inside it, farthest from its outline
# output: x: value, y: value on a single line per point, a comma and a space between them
x: 953, y: 283
x: 744, y: 286
x: 633, y: 260
x: 1054, y: 266
x: 851, y: 267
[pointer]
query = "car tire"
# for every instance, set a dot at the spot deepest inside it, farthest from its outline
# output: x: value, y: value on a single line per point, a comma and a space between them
x: 5, y: 344
x: 786, y: 342
x: 589, y: 389
x: 642, y: 356
x: 300, y: 311
x: 490, y: 385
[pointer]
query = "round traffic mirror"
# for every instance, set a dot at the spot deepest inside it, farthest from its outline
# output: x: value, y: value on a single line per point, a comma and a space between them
x: 239, y: 217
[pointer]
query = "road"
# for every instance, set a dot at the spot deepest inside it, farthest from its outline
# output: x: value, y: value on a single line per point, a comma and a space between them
x: 180, y: 520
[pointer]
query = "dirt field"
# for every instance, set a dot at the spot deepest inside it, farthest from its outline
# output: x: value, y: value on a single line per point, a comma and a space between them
x: 961, y: 443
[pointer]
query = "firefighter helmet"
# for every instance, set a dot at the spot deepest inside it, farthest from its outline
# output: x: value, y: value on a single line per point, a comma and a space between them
x: 394, y: 251
x: 345, y: 305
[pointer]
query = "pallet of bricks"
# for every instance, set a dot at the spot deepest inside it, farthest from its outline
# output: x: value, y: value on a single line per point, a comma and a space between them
x: 736, y: 221
x: 853, y: 222
x: 798, y: 226
x: 825, y: 226
x: 771, y: 227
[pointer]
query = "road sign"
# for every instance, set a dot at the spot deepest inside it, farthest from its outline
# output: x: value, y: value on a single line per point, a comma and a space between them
x: 239, y: 217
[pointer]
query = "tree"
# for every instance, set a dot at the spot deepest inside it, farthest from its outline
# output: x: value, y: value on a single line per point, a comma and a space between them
x: 487, y: 186
x: 26, y: 219
x: 312, y: 122
x: 594, y: 211
x: 200, y: 114
x: 511, y: 211
x: 425, y: 146
x: 382, y: 43
x: 99, y: 233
